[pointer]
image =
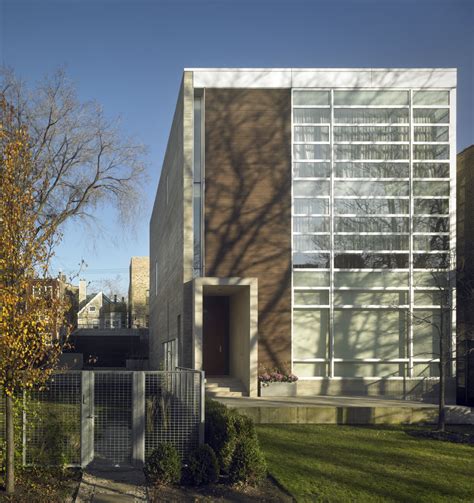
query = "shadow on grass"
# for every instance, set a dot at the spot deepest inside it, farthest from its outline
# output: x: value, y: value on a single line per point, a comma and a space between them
x: 366, y: 463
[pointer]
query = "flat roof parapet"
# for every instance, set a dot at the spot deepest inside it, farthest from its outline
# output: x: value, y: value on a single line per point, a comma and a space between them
x: 324, y: 77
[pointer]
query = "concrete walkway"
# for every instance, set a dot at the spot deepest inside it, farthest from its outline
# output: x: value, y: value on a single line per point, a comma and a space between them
x: 119, y: 485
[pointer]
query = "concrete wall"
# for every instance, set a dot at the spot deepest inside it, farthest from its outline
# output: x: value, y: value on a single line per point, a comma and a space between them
x: 138, y: 292
x: 171, y: 236
x: 397, y: 389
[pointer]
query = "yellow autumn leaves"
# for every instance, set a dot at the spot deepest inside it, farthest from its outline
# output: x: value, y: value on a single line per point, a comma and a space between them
x: 30, y: 322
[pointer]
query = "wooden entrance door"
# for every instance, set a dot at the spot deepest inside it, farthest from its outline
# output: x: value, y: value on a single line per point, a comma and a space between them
x: 216, y: 335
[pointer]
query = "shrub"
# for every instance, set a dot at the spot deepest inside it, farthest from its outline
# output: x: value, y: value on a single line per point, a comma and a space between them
x: 244, y: 426
x: 163, y: 466
x: 234, y: 440
x: 248, y: 463
x: 220, y: 432
x: 203, y: 467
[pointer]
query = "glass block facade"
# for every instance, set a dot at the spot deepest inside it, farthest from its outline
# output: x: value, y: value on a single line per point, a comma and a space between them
x: 373, y: 230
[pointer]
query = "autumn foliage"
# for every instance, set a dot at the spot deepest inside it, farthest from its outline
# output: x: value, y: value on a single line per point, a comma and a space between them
x: 30, y: 314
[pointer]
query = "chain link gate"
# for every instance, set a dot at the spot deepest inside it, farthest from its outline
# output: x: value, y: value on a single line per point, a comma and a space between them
x: 111, y: 418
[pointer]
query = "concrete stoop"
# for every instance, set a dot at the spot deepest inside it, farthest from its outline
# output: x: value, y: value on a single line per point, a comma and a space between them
x: 222, y: 387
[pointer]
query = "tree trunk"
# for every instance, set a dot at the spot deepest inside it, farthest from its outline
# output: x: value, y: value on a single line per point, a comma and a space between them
x: 442, y: 377
x: 10, y: 461
x: 442, y: 398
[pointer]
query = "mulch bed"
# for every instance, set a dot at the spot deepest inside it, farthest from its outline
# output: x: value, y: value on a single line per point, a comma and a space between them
x: 267, y: 492
x: 457, y: 437
x: 36, y: 485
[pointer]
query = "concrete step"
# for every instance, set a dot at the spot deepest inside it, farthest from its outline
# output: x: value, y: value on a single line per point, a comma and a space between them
x: 224, y: 394
x: 222, y: 379
x: 223, y: 386
x: 215, y: 386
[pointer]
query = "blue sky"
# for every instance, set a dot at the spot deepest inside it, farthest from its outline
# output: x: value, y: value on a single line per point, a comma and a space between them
x: 129, y: 56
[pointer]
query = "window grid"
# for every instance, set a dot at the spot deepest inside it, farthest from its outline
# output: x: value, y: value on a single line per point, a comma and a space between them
x: 415, y: 193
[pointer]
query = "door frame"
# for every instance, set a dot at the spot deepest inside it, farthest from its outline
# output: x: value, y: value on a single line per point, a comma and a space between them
x: 248, y: 373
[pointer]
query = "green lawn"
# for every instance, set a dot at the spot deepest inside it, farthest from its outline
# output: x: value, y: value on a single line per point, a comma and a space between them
x: 346, y: 463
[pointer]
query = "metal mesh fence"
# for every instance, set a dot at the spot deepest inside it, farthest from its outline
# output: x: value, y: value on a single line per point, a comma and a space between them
x: 50, y: 427
x: 53, y: 422
x: 113, y: 417
x: 172, y: 410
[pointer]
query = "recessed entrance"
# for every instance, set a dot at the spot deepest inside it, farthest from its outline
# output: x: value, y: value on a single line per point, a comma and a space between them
x: 216, y: 335
x: 225, y: 329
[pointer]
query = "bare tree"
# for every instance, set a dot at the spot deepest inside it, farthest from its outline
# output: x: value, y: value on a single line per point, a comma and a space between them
x: 60, y: 159
x: 111, y: 286
x: 440, y: 321
x: 81, y: 159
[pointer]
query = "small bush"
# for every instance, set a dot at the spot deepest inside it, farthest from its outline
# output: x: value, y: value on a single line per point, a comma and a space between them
x: 244, y: 426
x: 220, y: 432
x: 248, y: 463
x: 203, y: 467
x: 234, y: 440
x: 163, y: 466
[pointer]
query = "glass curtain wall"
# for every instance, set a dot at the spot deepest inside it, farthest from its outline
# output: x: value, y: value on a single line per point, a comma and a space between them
x: 371, y: 229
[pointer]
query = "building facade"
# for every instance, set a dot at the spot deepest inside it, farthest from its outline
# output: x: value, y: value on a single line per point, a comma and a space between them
x: 306, y: 218
x: 138, y: 292
x: 465, y: 266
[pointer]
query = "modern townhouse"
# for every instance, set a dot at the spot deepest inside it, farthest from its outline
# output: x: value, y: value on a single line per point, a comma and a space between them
x: 307, y: 217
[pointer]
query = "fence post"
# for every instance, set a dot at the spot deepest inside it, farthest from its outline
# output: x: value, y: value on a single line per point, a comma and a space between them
x: 138, y: 418
x: 87, y: 417
x: 202, y: 403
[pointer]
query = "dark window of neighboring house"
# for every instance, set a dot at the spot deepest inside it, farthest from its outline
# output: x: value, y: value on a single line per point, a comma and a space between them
x: 95, y: 326
x: 92, y: 308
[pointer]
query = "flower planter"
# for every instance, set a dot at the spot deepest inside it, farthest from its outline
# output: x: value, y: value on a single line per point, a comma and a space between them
x: 278, y: 389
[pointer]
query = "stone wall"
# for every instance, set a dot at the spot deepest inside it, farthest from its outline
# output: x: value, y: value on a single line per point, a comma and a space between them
x: 171, y: 237
x: 138, y: 292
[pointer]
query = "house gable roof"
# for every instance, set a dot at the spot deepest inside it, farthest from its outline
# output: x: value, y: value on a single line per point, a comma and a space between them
x: 87, y: 301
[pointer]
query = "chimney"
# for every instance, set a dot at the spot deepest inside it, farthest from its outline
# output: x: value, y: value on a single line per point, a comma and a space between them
x: 82, y: 290
x: 115, y: 299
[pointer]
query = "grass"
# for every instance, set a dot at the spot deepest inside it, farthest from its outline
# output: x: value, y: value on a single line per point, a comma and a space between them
x: 330, y: 463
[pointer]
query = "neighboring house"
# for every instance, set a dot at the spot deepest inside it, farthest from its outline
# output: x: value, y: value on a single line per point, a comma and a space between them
x: 300, y: 218
x: 59, y: 287
x: 103, y: 338
x: 97, y: 311
x: 465, y: 258
x: 138, y: 292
